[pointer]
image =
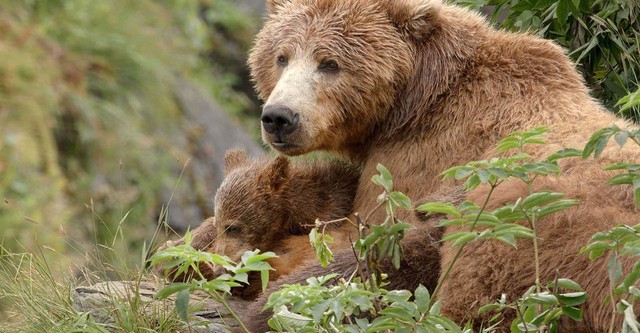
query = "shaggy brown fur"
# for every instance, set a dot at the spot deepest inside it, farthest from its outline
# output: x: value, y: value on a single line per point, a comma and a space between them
x: 267, y: 204
x: 423, y: 86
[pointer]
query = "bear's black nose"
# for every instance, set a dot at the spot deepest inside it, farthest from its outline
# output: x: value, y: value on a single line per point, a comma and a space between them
x: 279, y: 120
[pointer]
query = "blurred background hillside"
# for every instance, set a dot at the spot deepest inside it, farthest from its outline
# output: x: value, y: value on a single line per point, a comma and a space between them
x: 112, y: 111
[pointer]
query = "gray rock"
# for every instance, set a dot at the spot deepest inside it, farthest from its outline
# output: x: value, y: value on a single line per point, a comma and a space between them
x: 208, y: 133
x: 102, y: 301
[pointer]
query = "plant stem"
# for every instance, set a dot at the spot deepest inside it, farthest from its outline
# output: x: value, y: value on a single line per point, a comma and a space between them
x: 444, y: 276
x: 613, y: 304
x: 535, y: 252
x: 233, y: 314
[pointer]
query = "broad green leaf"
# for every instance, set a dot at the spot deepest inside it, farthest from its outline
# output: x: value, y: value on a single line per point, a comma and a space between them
x: 565, y: 284
x: 615, y: 268
x: 290, y: 319
x: 629, y: 101
x: 541, y: 298
x: 422, y: 298
x: 572, y: 299
x: 182, y: 304
x: 540, y: 198
x: 472, y: 182
x: 564, y: 153
x: 401, y: 200
x: 172, y: 289
x: 439, y: 207
x: 572, y: 312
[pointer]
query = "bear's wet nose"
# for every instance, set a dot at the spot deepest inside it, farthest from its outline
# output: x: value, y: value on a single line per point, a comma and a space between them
x: 279, y: 120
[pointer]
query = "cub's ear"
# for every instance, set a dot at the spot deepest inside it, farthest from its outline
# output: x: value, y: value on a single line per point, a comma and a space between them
x: 276, y: 174
x: 415, y: 18
x: 274, y: 5
x: 234, y: 158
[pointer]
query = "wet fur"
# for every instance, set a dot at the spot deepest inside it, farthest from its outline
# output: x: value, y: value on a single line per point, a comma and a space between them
x: 425, y: 86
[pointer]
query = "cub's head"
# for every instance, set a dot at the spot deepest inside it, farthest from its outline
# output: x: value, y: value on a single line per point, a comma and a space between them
x: 330, y: 70
x: 250, y: 210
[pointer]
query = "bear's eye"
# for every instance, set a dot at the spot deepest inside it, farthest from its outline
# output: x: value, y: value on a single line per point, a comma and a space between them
x: 329, y: 66
x: 282, y: 61
x: 232, y: 230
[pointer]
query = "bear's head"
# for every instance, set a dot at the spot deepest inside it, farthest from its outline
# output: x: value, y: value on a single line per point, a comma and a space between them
x: 250, y: 209
x: 329, y: 71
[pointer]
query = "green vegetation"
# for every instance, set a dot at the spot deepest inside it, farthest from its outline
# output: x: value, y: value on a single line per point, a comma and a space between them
x: 602, y: 36
x: 90, y: 127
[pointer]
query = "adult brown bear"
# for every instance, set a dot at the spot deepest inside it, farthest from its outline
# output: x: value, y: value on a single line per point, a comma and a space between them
x: 420, y: 86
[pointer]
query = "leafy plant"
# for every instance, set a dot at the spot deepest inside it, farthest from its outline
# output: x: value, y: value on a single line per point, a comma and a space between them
x: 623, y: 240
x: 602, y: 37
x: 184, y: 258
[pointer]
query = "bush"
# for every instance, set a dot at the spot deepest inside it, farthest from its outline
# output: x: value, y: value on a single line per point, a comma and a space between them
x: 602, y: 37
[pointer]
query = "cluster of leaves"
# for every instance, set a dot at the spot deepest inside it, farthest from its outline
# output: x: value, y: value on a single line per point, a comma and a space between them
x: 184, y: 259
x: 540, y: 307
x: 360, y: 303
x: 620, y: 241
x: 348, y: 306
x: 602, y: 36
x: 541, y: 310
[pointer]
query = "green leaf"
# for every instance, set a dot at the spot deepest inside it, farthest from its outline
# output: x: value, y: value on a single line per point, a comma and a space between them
x: 172, y: 289
x: 630, y: 319
x: 472, y: 182
x: 572, y: 299
x: 573, y: 313
x: 401, y: 200
x: 508, y: 143
x: 543, y: 298
x: 556, y: 207
x: 615, y: 268
x: 621, y: 179
x: 264, y: 279
x: 182, y: 304
x: 290, y: 319
x: 464, y: 172
x: 562, y: 11
x: 460, y: 237
x: 539, y: 199
x: 621, y: 138
x: 422, y: 298
x: 565, y: 284
x: 259, y: 257
x: 564, y: 153
x: 629, y: 101
x: 439, y: 207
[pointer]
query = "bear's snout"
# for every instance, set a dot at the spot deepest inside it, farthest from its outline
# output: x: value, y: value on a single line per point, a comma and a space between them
x: 279, y: 120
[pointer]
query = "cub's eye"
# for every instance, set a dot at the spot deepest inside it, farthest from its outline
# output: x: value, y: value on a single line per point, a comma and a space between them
x: 329, y: 66
x: 282, y: 61
x: 232, y: 230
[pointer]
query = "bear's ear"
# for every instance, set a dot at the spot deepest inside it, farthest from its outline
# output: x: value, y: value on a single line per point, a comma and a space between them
x: 276, y: 174
x: 415, y: 18
x: 234, y: 158
x: 274, y: 5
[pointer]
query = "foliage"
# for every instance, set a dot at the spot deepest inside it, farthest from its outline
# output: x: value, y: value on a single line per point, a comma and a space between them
x: 87, y: 113
x: 620, y: 241
x: 183, y: 258
x: 602, y: 37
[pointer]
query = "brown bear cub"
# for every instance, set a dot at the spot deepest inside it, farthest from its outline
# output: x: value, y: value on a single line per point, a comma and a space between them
x: 270, y: 204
